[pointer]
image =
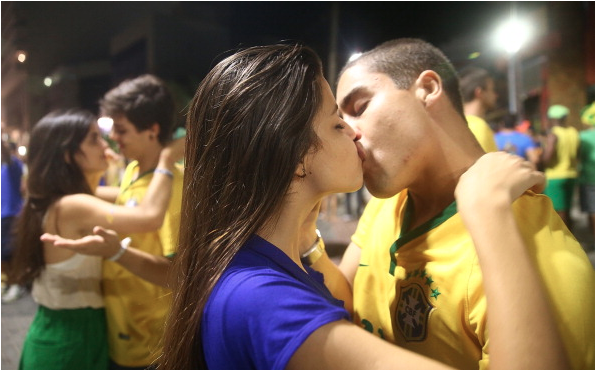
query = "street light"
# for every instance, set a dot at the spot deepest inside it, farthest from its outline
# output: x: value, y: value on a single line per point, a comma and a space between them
x: 511, y: 36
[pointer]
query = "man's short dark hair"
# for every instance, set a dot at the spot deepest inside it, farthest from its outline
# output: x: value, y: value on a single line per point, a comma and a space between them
x: 403, y: 60
x: 144, y: 100
x: 470, y: 79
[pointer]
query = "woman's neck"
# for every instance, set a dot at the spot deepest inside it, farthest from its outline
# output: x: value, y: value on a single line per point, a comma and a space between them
x: 284, y: 231
x: 93, y: 180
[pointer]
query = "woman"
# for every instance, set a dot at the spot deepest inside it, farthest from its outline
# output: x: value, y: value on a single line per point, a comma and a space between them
x: 67, y: 158
x: 265, y: 145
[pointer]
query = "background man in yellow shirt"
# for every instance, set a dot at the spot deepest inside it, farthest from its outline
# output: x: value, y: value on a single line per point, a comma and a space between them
x: 479, y: 96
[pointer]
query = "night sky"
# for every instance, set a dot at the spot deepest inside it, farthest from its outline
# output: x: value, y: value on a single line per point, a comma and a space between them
x: 57, y: 33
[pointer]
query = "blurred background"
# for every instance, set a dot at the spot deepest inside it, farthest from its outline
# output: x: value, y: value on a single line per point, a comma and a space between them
x: 66, y: 54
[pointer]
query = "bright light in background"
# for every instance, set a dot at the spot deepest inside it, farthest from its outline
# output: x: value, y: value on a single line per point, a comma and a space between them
x: 22, y: 150
x: 512, y: 34
x: 21, y: 56
x: 354, y: 56
x: 105, y: 124
x: 47, y: 81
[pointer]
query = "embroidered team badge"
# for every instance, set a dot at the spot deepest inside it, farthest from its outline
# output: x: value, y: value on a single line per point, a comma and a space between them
x: 413, y: 311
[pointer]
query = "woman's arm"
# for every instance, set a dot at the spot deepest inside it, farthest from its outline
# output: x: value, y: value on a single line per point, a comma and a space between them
x: 87, y: 211
x: 334, y: 279
x: 107, y: 244
x: 107, y: 193
x: 519, y: 339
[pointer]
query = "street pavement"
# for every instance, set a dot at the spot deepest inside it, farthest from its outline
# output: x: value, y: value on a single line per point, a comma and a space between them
x: 17, y: 316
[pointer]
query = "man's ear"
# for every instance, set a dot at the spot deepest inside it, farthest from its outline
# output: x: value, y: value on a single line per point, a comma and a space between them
x: 154, y: 130
x: 477, y: 93
x: 428, y: 87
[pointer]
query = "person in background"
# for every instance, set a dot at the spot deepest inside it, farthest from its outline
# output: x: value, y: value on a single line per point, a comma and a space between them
x: 479, y: 96
x: 12, y: 200
x: 560, y: 159
x: 586, y: 176
x: 142, y: 109
x: 509, y: 140
x: 66, y: 160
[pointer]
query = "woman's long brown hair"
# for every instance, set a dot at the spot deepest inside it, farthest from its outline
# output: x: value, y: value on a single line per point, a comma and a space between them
x: 249, y: 126
x: 52, y: 173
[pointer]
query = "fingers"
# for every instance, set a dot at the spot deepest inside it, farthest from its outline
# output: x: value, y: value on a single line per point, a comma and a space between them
x: 98, y: 230
x: 51, y: 238
x: 540, y: 183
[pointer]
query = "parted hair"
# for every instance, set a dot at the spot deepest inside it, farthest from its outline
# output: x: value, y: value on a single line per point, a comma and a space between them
x: 144, y: 101
x: 52, y: 174
x: 248, y: 128
x: 403, y: 60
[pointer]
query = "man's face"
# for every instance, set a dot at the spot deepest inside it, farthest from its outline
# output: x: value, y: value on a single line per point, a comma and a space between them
x: 132, y: 143
x: 394, y: 127
x: 489, y: 97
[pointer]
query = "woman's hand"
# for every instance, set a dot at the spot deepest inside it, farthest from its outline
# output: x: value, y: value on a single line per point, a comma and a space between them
x: 497, y: 179
x: 174, y: 151
x: 105, y: 243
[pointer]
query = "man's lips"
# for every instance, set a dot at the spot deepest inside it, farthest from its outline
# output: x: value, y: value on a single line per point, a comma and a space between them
x: 360, y: 151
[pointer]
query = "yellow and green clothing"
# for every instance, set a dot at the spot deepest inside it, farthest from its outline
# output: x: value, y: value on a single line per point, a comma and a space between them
x: 482, y: 132
x: 422, y: 289
x: 561, y: 172
x: 135, y: 308
x: 564, y: 163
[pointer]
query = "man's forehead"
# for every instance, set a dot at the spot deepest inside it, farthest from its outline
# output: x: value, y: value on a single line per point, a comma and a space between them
x: 355, y: 80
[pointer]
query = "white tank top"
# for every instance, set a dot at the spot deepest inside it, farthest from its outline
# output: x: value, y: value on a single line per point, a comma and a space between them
x: 73, y: 283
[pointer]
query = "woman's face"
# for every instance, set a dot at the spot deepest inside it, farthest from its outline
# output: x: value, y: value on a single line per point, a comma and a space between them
x: 336, y: 167
x: 91, y: 157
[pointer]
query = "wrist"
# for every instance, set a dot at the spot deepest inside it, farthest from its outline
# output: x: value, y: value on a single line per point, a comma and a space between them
x: 123, y: 247
x: 313, y: 253
x: 164, y: 171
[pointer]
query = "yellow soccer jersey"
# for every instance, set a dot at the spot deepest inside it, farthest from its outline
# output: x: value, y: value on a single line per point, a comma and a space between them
x: 423, y: 290
x: 135, y: 308
x: 565, y: 161
x: 483, y: 133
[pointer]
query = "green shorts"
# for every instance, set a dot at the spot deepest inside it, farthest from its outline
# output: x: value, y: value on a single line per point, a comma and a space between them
x: 560, y: 192
x: 66, y: 339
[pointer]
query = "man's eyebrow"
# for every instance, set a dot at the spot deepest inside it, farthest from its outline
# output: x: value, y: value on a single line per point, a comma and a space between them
x: 347, y: 99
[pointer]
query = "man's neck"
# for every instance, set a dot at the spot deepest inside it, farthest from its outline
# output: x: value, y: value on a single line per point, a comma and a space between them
x: 474, y: 108
x: 149, y: 158
x: 433, y: 190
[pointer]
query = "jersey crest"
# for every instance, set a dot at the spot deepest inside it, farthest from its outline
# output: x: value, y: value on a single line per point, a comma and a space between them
x: 412, y: 313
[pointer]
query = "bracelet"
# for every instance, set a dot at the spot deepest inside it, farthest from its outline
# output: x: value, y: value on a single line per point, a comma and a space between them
x: 315, y: 252
x: 123, y: 246
x: 165, y: 172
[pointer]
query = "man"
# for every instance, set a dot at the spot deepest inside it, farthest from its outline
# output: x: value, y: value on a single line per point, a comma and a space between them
x: 560, y: 158
x: 143, y: 113
x: 510, y: 140
x: 412, y: 263
x: 479, y: 96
